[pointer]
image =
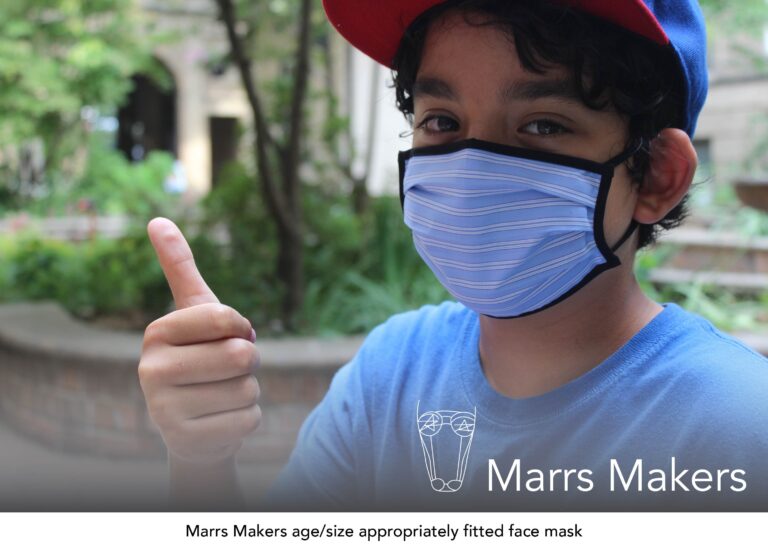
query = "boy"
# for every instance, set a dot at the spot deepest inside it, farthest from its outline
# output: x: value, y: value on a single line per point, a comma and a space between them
x: 551, y: 141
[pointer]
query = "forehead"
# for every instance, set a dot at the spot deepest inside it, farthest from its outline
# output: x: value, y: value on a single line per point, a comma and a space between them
x: 468, y: 50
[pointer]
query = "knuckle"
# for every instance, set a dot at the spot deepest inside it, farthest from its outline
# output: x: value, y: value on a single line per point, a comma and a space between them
x: 145, y: 375
x: 223, y: 319
x: 251, y: 390
x: 148, y: 373
x: 165, y: 371
x: 240, y: 354
x: 166, y: 366
x: 155, y: 332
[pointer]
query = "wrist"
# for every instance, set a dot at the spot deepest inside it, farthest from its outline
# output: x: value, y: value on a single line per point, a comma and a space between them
x: 183, y: 465
x: 204, y: 485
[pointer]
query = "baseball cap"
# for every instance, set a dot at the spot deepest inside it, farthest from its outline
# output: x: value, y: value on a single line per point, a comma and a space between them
x: 376, y: 27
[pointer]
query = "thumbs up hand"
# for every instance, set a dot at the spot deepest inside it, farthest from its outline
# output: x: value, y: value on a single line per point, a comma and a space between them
x: 197, y: 363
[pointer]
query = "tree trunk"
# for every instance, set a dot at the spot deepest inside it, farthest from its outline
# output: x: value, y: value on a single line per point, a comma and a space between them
x: 290, y: 270
x: 291, y: 251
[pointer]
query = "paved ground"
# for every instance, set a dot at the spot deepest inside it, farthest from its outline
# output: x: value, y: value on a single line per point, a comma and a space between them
x: 35, y: 478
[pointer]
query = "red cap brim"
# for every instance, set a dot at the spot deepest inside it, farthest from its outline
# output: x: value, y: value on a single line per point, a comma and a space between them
x: 375, y: 27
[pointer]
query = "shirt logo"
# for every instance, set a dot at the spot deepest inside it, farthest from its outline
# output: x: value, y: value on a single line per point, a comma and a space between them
x: 446, y: 437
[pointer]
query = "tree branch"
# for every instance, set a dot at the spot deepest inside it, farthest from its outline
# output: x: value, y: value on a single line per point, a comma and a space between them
x: 296, y: 119
x: 275, y: 200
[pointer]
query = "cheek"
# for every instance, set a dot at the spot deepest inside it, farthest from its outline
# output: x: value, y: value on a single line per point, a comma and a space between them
x: 620, y: 205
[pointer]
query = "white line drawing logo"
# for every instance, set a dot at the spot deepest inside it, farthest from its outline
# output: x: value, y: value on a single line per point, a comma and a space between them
x: 446, y: 437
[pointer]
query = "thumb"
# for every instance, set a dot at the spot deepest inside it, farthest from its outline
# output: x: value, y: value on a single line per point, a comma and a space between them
x: 178, y: 264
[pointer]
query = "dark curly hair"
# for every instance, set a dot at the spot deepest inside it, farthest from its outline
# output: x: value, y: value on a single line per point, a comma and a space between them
x: 609, y: 67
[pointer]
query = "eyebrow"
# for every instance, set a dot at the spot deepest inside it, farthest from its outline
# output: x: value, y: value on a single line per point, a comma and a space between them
x: 520, y: 91
x: 433, y: 87
x: 542, y: 89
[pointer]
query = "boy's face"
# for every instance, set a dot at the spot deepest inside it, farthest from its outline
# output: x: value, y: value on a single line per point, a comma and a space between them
x: 471, y: 84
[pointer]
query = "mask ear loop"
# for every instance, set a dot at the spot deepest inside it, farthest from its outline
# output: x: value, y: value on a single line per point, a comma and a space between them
x: 628, y: 153
x: 615, y: 162
x: 633, y: 225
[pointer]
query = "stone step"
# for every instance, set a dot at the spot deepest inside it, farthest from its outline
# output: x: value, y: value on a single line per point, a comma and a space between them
x: 757, y: 341
x: 741, y: 282
x: 697, y: 236
x: 752, y: 192
x: 701, y: 249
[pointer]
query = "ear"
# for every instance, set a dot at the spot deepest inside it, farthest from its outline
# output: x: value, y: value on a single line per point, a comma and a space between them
x: 673, y: 164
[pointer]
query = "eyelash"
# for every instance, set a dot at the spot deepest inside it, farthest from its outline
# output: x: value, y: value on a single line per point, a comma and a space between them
x: 560, y: 129
x: 423, y: 125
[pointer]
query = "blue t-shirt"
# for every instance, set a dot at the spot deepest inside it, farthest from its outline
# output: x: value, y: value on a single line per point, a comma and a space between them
x: 675, y: 419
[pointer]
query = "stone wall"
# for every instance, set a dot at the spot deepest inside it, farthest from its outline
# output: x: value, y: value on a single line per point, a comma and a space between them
x: 75, y: 387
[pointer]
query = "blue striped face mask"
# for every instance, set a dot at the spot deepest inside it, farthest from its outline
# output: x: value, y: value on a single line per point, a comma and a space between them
x: 508, y: 231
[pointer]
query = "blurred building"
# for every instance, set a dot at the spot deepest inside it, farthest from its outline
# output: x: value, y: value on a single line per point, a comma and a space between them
x: 197, y: 118
x: 202, y: 117
x: 732, y: 137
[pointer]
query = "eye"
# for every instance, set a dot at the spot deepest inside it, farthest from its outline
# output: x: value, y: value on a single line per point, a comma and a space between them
x: 544, y: 128
x: 438, y: 124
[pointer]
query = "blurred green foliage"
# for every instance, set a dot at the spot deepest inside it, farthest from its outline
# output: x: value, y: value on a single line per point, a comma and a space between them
x: 727, y: 17
x: 113, y: 185
x: 99, y: 277
x: 94, y: 278
x: 58, y: 57
x: 727, y: 310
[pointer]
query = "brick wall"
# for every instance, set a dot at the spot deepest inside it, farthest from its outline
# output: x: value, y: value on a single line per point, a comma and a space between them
x: 98, y: 408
